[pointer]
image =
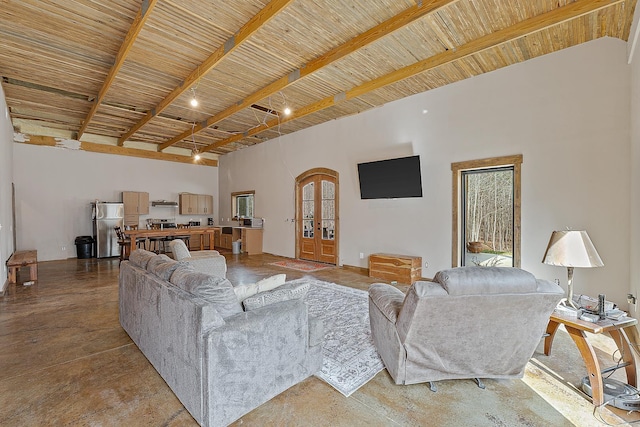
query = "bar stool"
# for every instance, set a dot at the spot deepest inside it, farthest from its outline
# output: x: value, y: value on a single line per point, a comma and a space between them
x: 124, y: 243
x: 141, y: 242
x: 186, y: 237
x: 156, y: 242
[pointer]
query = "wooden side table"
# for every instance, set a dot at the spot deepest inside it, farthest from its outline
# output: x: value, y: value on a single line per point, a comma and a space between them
x: 577, y: 328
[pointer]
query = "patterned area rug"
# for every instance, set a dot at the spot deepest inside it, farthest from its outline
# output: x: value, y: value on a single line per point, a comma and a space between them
x: 300, y: 265
x: 350, y: 358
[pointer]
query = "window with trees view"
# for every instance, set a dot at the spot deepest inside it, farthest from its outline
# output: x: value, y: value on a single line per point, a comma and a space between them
x: 487, y: 212
x: 242, y: 203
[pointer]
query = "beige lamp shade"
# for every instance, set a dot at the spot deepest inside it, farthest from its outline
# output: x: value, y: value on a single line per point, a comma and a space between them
x: 571, y: 248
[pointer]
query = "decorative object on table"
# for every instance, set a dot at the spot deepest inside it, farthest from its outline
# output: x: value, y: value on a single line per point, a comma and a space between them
x: 301, y: 265
x: 349, y: 357
x: 571, y: 248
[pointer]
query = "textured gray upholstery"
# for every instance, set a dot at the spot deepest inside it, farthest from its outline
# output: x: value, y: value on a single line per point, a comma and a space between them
x: 220, y: 366
x: 282, y: 293
x: 470, y: 322
x: 209, y: 262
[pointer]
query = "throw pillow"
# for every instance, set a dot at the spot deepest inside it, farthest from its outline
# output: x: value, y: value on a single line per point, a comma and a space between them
x: 140, y: 258
x: 272, y: 282
x: 283, y: 293
x: 216, y: 290
x: 245, y: 291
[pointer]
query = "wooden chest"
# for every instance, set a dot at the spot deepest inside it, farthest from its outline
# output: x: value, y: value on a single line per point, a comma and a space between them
x: 400, y: 268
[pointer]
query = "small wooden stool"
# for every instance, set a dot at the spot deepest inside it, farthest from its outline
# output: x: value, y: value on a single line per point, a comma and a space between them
x: 23, y: 259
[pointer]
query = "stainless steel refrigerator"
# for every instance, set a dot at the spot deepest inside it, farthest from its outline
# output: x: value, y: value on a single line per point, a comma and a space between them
x: 107, y: 215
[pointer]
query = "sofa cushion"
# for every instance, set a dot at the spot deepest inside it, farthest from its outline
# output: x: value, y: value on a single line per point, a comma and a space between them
x: 216, y: 290
x: 164, y: 270
x: 155, y: 260
x: 285, y: 292
x: 140, y: 258
x: 485, y: 280
x: 245, y: 291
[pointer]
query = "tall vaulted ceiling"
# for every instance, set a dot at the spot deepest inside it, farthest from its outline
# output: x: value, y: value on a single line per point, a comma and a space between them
x: 118, y: 76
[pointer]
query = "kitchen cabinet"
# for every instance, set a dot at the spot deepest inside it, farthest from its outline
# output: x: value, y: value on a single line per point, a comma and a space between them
x: 251, y: 240
x: 205, y: 204
x: 196, y: 204
x: 188, y: 204
x: 225, y: 241
x: 136, y: 203
x: 216, y: 240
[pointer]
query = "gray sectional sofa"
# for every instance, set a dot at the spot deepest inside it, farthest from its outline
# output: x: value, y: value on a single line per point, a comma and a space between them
x: 220, y: 359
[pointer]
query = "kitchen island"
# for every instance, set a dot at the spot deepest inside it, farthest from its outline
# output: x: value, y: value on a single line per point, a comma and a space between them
x: 222, y: 237
x: 168, y: 232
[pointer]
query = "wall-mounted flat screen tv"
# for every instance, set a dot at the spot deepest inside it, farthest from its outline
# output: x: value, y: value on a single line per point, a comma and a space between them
x: 391, y: 178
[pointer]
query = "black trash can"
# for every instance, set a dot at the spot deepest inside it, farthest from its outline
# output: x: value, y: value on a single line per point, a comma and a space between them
x: 84, y: 244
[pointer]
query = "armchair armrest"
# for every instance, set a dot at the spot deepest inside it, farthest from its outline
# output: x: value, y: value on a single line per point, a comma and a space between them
x: 387, y: 299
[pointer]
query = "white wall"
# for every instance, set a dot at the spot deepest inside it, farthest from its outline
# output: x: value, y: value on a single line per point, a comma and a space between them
x: 567, y: 113
x: 6, y: 174
x: 634, y: 233
x: 54, y: 188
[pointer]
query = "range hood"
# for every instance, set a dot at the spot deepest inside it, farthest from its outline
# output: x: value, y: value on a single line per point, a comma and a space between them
x: 163, y: 203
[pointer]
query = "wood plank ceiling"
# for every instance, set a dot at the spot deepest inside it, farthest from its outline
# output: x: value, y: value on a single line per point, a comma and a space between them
x: 119, y: 75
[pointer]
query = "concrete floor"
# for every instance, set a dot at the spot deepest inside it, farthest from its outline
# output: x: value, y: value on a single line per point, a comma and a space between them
x: 65, y: 360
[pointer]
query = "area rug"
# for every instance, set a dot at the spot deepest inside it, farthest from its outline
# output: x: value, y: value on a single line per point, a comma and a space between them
x: 350, y: 358
x: 300, y: 265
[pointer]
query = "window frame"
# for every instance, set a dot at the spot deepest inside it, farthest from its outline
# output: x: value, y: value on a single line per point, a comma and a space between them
x: 457, y: 168
x: 234, y: 198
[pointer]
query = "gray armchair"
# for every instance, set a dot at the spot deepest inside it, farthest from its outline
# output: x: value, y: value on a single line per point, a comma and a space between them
x: 209, y: 262
x: 470, y: 322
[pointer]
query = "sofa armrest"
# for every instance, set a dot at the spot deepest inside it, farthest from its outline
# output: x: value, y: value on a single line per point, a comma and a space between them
x: 215, y: 265
x: 204, y: 253
x: 387, y: 299
x: 255, y: 356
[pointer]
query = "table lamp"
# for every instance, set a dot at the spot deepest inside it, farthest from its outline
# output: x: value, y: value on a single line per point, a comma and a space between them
x: 571, y: 249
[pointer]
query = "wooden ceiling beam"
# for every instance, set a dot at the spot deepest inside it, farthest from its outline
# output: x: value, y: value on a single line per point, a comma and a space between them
x: 538, y: 23
x: 247, y: 30
x: 403, y: 19
x: 114, y: 149
x: 134, y: 30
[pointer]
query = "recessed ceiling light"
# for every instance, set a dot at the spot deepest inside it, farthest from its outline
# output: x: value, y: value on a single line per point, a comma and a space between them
x: 287, y: 111
x: 194, y: 102
x: 425, y: 111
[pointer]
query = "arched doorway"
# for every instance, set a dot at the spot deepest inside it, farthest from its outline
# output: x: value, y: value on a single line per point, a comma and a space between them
x: 317, y: 220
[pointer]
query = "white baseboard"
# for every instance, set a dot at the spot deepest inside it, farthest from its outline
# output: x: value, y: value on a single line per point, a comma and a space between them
x: 4, y: 286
